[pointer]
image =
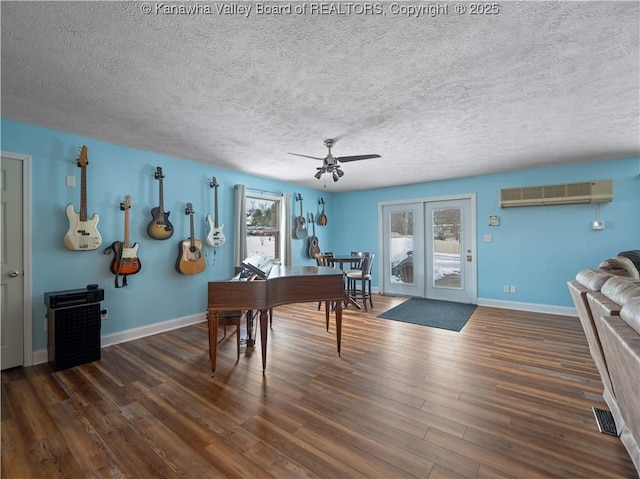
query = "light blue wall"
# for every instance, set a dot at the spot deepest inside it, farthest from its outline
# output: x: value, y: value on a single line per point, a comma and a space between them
x: 537, y: 248
x: 157, y: 293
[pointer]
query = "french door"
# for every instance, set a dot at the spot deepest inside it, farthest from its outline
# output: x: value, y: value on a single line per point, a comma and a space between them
x: 402, y: 249
x: 450, y: 260
x: 429, y: 249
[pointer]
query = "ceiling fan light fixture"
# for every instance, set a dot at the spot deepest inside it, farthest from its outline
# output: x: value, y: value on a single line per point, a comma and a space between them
x: 330, y: 162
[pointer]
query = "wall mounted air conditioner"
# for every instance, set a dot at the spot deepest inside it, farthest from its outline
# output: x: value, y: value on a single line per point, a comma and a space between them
x: 600, y: 191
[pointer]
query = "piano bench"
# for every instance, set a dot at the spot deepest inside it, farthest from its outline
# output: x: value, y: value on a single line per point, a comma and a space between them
x: 231, y: 318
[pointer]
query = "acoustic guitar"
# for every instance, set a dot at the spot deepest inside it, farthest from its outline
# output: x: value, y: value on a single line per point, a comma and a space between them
x: 300, y: 230
x: 160, y: 227
x: 82, y: 234
x: 322, y: 219
x: 190, y: 258
x: 215, y: 237
x: 314, y: 249
x: 126, y: 260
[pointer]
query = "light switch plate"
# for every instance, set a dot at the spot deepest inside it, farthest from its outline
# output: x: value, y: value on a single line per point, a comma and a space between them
x: 71, y: 181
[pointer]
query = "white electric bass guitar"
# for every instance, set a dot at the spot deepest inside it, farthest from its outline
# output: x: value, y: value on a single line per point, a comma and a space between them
x: 83, y: 234
x: 215, y: 237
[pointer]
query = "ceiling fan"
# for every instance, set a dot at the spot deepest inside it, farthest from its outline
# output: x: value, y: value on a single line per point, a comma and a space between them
x: 330, y: 163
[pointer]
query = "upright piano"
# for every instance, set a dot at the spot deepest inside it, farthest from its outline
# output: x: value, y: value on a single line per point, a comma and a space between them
x: 261, y: 286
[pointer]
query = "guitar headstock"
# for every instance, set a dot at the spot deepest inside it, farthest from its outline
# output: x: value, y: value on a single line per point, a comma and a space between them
x: 298, y: 197
x: 311, y: 220
x: 83, y: 159
x: 189, y: 209
x: 321, y: 201
x: 213, y: 183
x: 126, y: 204
x: 159, y: 175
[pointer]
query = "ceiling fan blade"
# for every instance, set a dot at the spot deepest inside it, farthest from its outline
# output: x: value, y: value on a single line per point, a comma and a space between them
x: 343, y: 159
x: 307, y: 156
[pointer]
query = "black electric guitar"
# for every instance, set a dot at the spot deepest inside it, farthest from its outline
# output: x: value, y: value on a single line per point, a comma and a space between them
x: 160, y: 227
x: 322, y: 219
x: 215, y: 237
x: 190, y: 257
x: 126, y: 260
x: 300, y: 231
x: 314, y: 249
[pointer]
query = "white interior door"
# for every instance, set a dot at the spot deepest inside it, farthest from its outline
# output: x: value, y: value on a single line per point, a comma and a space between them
x: 450, y: 250
x: 12, y: 317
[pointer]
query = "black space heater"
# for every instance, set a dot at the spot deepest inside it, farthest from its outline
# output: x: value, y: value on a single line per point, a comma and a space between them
x: 73, y: 326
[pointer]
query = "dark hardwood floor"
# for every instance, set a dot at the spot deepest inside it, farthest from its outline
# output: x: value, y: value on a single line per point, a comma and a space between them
x: 510, y: 396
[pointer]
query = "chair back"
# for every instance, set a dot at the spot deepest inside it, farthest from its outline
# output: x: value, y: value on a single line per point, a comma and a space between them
x: 324, y: 259
x: 367, y: 263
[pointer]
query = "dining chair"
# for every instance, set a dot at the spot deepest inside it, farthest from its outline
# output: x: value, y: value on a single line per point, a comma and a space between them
x: 324, y: 259
x: 356, y: 266
x: 364, y: 276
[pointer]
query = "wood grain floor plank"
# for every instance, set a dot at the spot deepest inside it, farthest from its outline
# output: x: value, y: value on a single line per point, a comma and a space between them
x: 509, y: 396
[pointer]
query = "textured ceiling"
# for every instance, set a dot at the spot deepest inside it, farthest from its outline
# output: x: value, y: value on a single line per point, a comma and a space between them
x: 437, y: 96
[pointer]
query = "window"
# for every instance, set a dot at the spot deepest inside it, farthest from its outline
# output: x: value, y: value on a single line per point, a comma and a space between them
x: 263, y: 219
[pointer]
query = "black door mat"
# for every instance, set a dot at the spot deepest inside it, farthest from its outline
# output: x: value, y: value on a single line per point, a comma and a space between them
x: 606, y: 423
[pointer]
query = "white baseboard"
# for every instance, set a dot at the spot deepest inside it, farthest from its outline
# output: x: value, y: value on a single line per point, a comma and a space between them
x: 41, y: 356
x: 533, y: 307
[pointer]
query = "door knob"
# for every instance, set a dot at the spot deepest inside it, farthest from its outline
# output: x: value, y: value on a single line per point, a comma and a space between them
x: 14, y: 274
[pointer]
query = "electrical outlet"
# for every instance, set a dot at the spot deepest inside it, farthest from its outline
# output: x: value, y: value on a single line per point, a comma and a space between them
x: 512, y: 289
x: 505, y: 289
x: 104, y: 314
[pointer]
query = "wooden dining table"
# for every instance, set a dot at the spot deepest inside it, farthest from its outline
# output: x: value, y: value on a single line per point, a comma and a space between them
x: 355, y: 262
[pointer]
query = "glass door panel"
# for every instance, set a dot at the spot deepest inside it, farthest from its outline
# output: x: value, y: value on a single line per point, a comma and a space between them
x: 445, y: 256
x: 450, y: 270
x: 403, y: 249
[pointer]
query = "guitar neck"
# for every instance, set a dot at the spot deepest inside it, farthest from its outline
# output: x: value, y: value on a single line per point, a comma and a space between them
x: 192, y: 237
x: 83, y: 193
x: 126, y: 228
x: 215, y: 207
x: 161, y: 203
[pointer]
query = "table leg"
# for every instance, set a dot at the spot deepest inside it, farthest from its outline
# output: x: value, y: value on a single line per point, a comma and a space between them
x: 327, y: 313
x: 338, y: 325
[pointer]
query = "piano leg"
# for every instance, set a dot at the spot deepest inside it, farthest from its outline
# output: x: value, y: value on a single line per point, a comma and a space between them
x: 264, y: 328
x: 212, y: 320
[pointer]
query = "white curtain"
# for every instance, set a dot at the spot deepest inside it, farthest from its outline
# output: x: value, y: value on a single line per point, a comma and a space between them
x: 285, y: 230
x: 240, y: 224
